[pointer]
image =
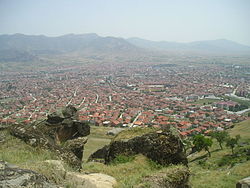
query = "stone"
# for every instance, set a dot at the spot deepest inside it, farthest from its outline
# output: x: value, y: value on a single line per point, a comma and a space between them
x: 76, y: 146
x: 244, y: 183
x: 114, y: 131
x: 13, y: 177
x: 99, y: 155
x: 93, y: 180
x: 36, y: 138
x: 171, y: 177
x: 52, y: 134
x: 55, y: 118
x: 69, y: 111
x: 162, y: 147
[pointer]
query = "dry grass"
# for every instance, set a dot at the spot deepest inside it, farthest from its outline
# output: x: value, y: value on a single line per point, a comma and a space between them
x: 133, y: 132
x: 242, y: 129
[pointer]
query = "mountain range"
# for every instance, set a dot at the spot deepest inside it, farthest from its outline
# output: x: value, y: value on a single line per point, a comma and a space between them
x: 20, y: 47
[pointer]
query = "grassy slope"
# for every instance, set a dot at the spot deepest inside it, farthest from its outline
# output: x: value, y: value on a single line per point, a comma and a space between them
x: 17, y: 152
x: 207, y: 174
x: 96, y: 140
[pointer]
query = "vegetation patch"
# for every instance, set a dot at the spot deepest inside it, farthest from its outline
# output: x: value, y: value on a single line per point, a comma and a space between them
x: 133, y: 132
x: 122, y: 159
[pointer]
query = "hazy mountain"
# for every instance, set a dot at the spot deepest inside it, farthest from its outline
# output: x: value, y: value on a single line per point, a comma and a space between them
x: 40, y: 45
x: 212, y: 46
x: 19, y: 47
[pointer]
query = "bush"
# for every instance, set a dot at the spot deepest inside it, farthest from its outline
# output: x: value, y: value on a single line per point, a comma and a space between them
x: 122, y: 159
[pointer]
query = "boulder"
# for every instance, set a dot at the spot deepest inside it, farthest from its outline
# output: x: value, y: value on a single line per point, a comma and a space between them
x: 69, y: 112
x: 59, y: 130
x: 115, y: 131
x: 55, y: 118
x: 172, y: 177
x: 70, y: 130
x: 66, y: 113
x: 76, y: 146
x: 36, y: 138
x: 244, y: 183
x: 162, y: 147
x: 93, y: 180
x: 14, y: 177
x: 99, y: 155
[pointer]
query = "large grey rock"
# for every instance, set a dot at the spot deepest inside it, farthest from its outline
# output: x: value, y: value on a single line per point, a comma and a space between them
x: 59, y: 116
x: 114, y: 131
x: 172, y: 177
x: 244, y: 183
x: 162, y: 147
x: 36, y: 138
x: 76, y: 146
x: 58, y: 129
x: 99, y: 155
x: 94, y: 180
x: 14, y: 177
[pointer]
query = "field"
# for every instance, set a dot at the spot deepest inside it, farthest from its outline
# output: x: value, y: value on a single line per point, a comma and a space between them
x: 96, y: 140
x: 205, y: 101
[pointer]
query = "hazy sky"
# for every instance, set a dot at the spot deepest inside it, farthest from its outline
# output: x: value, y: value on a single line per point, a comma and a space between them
x: 170, y: 20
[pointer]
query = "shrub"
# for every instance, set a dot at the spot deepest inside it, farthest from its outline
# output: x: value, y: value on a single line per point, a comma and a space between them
x: 122, y: 159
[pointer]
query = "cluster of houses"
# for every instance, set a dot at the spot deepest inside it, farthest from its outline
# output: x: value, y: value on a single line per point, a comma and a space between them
x: 122, y: 96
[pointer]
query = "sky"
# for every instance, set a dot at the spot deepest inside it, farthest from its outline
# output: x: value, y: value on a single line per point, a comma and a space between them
x: 158, y: 20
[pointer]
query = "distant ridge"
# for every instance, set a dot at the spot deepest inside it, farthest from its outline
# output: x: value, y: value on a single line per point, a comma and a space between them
x: 219, y: 45
x: 20, y: 47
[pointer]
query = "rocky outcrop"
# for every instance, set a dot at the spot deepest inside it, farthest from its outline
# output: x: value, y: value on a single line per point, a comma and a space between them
x: 14, y: 177
x: 99, y: 155
x: 173, y: 177
x: 60, y: 132
x: 36, y: 138
x: 76, y: 146
x: 244, y: 183
x: 79, y: 180
x: 162, y: 147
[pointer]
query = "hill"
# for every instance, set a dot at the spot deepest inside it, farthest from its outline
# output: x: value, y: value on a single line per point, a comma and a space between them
x: 20, y: 47
x: 24, y: 47
x: 208, y: 46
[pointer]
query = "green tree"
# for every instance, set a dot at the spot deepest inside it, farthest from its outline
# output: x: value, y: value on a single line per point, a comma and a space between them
x: 220, y: 136
x: 201, y: 142
x: 232, y: 142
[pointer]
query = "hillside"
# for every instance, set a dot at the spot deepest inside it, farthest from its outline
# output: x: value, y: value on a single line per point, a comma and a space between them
x: 221, y: 170
x: 205, y: 172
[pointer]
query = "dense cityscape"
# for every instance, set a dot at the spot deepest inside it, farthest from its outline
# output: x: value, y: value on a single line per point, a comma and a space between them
x: 195, y: 98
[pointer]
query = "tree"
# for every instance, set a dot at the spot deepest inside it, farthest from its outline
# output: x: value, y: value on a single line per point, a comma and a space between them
x: 201, y: 142
x: 220, y: 136
x: 232, y: 142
